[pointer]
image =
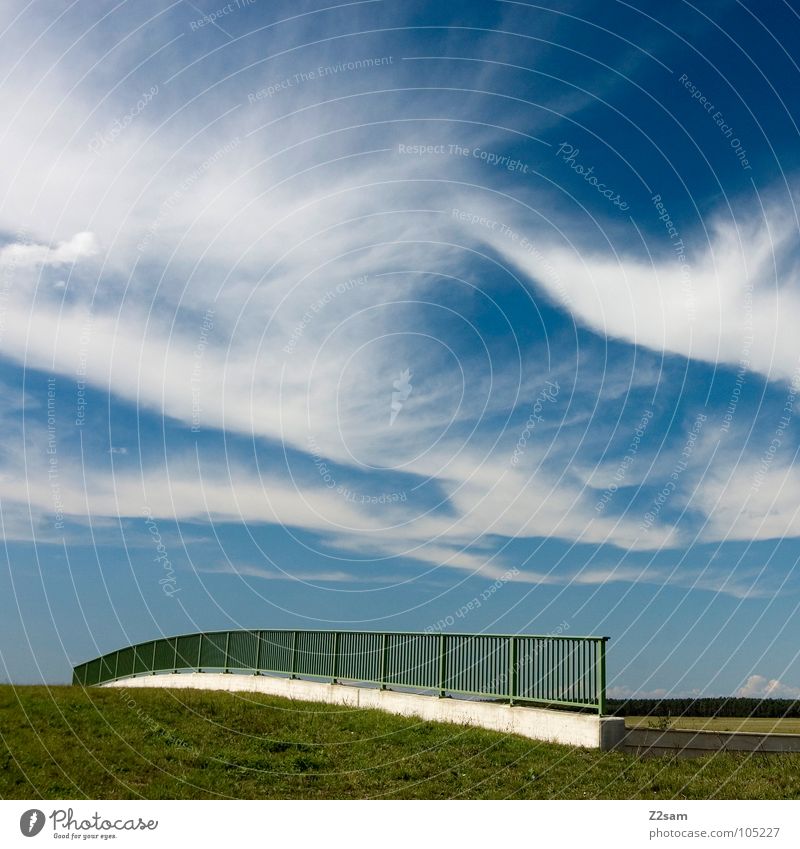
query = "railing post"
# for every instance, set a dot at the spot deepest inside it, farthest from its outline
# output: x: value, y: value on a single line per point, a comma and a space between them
x: 175, y: 658
x: 442, y: 665
x: 512, y: 670
x: 199, y: 653
x: 335, y: 657
x: 227, y: 649
x: 153, y: 664
x: 384, y: 650
x: 258, y: 652
x: 601, y: 683
x: 294, y: 655
x: 116, y: 665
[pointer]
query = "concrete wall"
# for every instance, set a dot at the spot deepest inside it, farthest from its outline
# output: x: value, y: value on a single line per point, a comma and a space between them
x: 692, y: 744
x: 573, y: 729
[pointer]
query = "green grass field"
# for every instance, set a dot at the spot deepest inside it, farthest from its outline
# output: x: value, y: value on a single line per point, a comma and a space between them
x: 721, y: 723
x: 63, y: 742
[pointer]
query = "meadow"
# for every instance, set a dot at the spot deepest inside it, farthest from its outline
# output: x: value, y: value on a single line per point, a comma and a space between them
x: 70, y: 743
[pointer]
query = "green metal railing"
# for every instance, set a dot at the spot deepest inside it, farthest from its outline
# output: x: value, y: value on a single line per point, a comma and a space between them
x: 550, y: 670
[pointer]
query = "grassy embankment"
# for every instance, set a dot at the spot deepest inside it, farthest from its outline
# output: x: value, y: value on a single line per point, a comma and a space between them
x: 64, y: 742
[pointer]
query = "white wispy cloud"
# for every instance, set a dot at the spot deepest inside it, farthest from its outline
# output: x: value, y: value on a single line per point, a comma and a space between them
x: 761, y: 687
x: 731, y: 304
x: 277, y: 221
x: 29, y: 255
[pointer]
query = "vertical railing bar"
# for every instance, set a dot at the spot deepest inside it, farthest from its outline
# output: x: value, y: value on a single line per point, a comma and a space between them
x: 384, y: 652
x: 557, y: 670
x: 199, y: 654
x: 227, y: 651
x: 569, y: 671
x: 175, y: 656
x: 587, y: 693
x: 547, y: 668
x: 512, y: 669
x: 293, y: 666
x: 601, y: 702
x: 335, y: 657
x: 441, y: 665
x: 258, y: 652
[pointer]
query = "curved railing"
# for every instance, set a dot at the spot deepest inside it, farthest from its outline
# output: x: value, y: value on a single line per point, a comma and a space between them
x: 549, y: 670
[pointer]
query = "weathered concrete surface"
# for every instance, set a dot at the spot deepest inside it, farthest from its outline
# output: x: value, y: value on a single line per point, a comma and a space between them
x: 573, y: 729
x: 691, y: 744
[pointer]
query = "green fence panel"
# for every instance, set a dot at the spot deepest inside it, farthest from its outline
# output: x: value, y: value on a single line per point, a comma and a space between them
x: 125, y: 662
x: 243, y: 650
x: 477, y: 665
x: 314, y: 654
x: 164, y: 656
x: 359, y: 656
x: 107, y: 667
x: 212, y: 655
x: 189, y: 651
x: 412, y: 660
x: 93, y: 672
x: 275, y: 653
x: 143, y: 658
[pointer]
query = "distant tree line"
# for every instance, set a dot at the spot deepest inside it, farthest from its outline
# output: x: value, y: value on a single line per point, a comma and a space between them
x: 720, y: 706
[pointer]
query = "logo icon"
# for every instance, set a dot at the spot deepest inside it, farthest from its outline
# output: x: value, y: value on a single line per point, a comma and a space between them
x: 31, y: 822
x: 403, y: 389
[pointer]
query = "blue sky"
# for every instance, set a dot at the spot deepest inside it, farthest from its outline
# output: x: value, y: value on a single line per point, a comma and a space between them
x: 345, y: 316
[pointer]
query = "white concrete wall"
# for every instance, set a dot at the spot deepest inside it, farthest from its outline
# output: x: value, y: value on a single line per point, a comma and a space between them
x: 573, y: 729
